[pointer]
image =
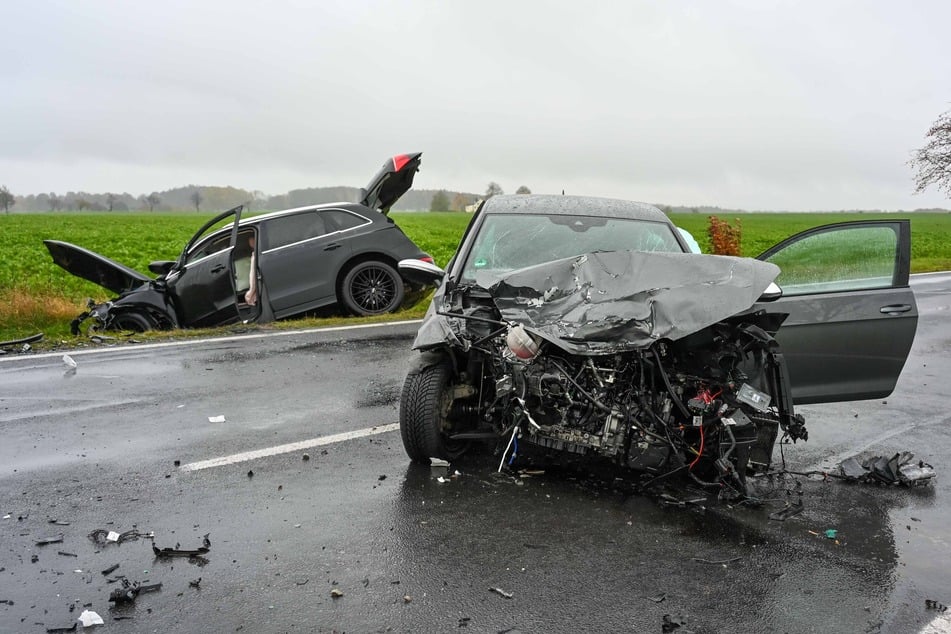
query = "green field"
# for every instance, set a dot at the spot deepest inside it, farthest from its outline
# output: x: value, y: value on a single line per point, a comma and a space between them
x: 38, y: 296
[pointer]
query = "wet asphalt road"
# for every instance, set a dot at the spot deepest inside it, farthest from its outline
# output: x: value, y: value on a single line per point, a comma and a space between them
x: 96, y: 449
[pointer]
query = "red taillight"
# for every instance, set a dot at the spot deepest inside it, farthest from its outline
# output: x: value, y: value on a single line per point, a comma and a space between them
x: 429, y: 259
x: 399, y: 162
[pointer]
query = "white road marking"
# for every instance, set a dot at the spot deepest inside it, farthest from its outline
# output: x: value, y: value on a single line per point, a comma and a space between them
x: 194, y: 342
x: 288, y: 448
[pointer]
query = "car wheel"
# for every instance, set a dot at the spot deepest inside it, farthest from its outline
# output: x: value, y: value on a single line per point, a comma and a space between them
x: 424, y: 412
x: 134, y: 321
x: 372, y: 288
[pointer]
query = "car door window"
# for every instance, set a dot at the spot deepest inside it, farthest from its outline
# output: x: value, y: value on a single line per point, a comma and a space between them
x: 838, y: 259
x: 285, y: 230
x: 212, y: 245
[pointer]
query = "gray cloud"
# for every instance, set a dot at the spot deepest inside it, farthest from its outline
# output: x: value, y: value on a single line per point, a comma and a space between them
x: 769, y: 105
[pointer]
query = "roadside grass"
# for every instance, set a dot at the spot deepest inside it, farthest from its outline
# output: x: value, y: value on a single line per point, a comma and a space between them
x: 37, y: 296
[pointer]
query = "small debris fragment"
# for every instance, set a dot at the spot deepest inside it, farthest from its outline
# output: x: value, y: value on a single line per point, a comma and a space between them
x: 89, y: 618
x: 216, y: 419
x: 49, y: 540
x: 718, y: 562
x: 302, y: 582
x: 177, y: 463
x: 381, y: 478
x: 111, y: 569
x: 931, y: 604
x: 336, y: 594
x: 438, y: 462
x: 66, y: 554
x: 68, y: 362
x: 442, y: 480
x: 62, y: 630
x: 130, y: 591
x: 195, y: 583
x: 787, y: 511
x: 407, y: 598
x: 57, y: 522
x: 831, y: 533
x: 659, y: 598
x: 305, y: 457
x: 176, y: 552
x: 672, y: 623
x: 502, y: 593
x: 250, y: 473
x: 464, y: 621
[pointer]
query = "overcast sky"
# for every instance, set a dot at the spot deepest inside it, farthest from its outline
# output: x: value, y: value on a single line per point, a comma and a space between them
x: 757, y: 105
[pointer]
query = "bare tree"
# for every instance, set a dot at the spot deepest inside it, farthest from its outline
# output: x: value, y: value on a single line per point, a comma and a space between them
x: 110, y: 201
x: 6, y: 199
x: 82, y: 204
x: 494, y: 189
x: 196, y: 200
x: 523, y: 190
x: 152, y: 200
x: 55, y: 202
x: 933, y: 161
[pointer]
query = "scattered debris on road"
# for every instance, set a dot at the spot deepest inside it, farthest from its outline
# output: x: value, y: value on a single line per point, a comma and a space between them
x: 89, y: 618
x: 111, y: 569
x: 791, y: 509
x: 43, y: 541
x: 131, y: 590
x: 899, y: 469
x: 931, y: 604
x: 671, y: 623
x: 177, y: 552
x: 502, y: 593
x: 216, y: 419
x: 69, y: 362
x: 336, y: 594
x: 103, y: 537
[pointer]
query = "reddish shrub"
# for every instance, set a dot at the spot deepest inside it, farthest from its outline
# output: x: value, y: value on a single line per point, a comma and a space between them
x: 724, y: 237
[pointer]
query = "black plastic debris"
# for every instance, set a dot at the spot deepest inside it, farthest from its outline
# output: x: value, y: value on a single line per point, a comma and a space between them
x: 178, y: 552
x: 931, y: 604
x: 111, y: 569
x: 130, y: 591
x: 672, y: 623
x: 43, y: 541
x: 658, y: 598
x: 900, y: 469
x: 66, y: 554
x: 59, y: 630
x: 25, y: 341
x: 791, y: 509
x: 195, y: 583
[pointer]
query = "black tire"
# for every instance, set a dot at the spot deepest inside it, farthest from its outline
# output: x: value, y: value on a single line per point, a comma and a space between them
x: 372, y: 288
x: 131, y: 320
x: 424, y: 411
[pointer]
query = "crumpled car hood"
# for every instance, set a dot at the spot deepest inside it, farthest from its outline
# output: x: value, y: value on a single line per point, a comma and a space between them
x: 615, y: 301
x: 96, y: 268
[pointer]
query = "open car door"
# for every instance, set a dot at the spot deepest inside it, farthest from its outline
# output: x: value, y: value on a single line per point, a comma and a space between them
x: 202, y: 281
x: 852, y: 316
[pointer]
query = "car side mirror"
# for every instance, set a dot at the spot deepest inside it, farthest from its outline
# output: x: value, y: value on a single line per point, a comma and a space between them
x: 161, y: 267
x: 421, y: 272
x: 772, y: 293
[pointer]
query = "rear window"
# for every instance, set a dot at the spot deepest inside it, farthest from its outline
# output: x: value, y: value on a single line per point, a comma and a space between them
x: 339, y: 220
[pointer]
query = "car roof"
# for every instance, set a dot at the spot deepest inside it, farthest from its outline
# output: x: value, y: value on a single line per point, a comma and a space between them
x: 572, y: 206
x: 356, y: 208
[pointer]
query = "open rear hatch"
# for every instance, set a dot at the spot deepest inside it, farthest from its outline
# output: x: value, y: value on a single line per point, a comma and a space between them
x: 392, y: 181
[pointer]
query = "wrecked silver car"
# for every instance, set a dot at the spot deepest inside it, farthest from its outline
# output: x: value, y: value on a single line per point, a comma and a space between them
x: 582, y: 327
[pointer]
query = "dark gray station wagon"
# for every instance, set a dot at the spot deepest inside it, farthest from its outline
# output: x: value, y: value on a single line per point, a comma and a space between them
x: 266, y: 267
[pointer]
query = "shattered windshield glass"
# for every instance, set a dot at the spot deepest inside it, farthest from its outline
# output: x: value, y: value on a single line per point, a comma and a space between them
x: 509, y: 242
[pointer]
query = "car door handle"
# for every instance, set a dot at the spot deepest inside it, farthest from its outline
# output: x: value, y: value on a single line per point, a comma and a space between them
x: 332, y: 246
x: 894, y: 309
x: 218, y: 269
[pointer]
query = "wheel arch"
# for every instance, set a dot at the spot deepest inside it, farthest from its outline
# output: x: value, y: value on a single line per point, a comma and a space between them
x: 360, y: 258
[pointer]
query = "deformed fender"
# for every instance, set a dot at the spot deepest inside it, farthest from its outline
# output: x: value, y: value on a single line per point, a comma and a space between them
x: 425, y: 360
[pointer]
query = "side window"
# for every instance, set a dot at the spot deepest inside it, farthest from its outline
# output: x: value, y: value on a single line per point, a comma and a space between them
x: 210, y: 246
x: 339, y: 220
x: 838, y: 259
x: 286, y: 230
